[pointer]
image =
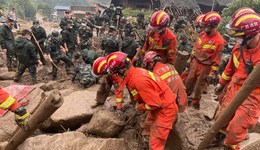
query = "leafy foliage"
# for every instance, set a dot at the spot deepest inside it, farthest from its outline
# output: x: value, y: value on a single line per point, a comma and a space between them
x: 134, y: 12
x: 44, y: 8
x: 232, y: 7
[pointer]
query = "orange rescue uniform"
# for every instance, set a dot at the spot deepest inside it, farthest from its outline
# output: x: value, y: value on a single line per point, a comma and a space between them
x: 171, y: 77
x: 205, y: 61
x: 165, y: 45
x: 248, y: 113
x: 153, y: 95
x: 7, y: 101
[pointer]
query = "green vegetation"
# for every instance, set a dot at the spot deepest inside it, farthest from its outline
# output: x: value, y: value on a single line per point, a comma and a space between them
x: 235, y: 5
x: 134, y: 12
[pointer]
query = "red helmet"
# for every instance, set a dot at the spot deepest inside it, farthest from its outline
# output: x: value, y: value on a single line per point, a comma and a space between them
x: 99, y: 66
x: 198, y: 19
x: 160, y: 19
x: 245, y: 24
x: 243, y: 10
x: 116, y: 61
x: 211, y: 17
x: 150, y: 57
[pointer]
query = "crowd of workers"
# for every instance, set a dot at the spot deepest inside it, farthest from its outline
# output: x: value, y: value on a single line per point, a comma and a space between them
x: 147, y: 68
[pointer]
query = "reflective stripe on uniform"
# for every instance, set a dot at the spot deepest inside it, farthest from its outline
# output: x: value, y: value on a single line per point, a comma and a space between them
x: 208, y: 46
x: 147, y: 107
x: 166, y: 75
x: 134, y: 92
x: 214, y: 68
x: 151, y: 39
x: 157, y: 47
x: 235, y: 61
x: 119, y: 100
x: 7, y: 103
x: 171, y: 51
x: 199, y: 41
x: 152, y: 75
x: 225, y: 77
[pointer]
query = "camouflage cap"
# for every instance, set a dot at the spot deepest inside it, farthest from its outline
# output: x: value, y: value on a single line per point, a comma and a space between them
x: 67, y: 11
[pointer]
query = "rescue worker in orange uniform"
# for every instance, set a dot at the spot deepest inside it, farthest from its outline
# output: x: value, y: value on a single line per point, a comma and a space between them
x: 205, y: 57
x: 167, y: 72
x: 160, y: 38
x: 152, y: 95
x: 245, y: 55
x: 8, y: 102
x: 222, y: 90
x: 100, y: 69
x: 199, y: 29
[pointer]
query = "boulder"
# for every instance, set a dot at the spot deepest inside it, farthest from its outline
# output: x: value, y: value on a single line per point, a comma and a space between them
x: 75, y: 110
x: 105, y: 124
x: 7, y: 75
x: 209, y: 108
x: 72, y: 140
x: 189, y: 131
x: 253, y: 143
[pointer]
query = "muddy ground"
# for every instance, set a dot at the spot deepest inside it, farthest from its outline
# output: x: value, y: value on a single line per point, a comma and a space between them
x: 73, y: 128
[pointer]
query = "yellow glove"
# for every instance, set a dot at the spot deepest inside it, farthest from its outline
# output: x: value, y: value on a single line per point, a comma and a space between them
x: 21, y: 116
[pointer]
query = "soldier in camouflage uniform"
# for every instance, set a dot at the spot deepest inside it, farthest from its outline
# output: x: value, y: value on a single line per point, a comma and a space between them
x: 109, y: 43
x: 70, y: 38
x: 40, y: 35
x: 140, y: 20
x: 85, y: 35
x: 65, y: 19
x: 7, y: 42
x: 89, y: 20
x: 25, y: 51
x: 98, y: 21
x: 89, y: 56
x: 109, y: 14
x: 56, y: 52
x: 82, y: 72
x: 129, y: 45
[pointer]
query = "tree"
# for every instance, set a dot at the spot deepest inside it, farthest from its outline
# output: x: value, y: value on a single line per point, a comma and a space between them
x: 232, y: 7
x: 44, y: 8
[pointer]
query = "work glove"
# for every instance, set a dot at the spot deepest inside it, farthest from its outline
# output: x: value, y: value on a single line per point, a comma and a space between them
x: 21, y: 117
x: 218, y: 89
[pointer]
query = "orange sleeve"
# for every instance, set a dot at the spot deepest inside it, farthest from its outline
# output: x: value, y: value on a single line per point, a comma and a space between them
x: 228, y: 72
x: 8, y: 102
x: 147, y: 89
x: 216, y: 58
x: 172, y: 51
x: 119, y: 90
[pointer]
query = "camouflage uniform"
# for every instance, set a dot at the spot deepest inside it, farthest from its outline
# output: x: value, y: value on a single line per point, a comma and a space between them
x: 25, y: 51
x: 40, y: 35
x: 53, y: 47
x: 109, y: 44
x: 89, y: 56
x: 99, y: 22
x: 83, y: 74
x: 129, y: 46
x: 109, y: 14
x: 85, y: 34
x: 140, y: 20
x: 7, y: 42
x: 69, y: 36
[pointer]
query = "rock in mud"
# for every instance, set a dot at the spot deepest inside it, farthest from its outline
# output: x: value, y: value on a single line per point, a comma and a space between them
x: 72, y: 141
x: 75, y: 110
x: 105, y: 124
x: 7, y: 75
